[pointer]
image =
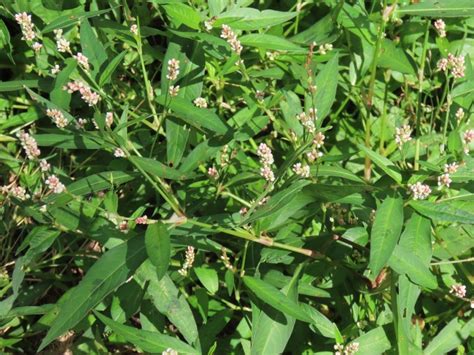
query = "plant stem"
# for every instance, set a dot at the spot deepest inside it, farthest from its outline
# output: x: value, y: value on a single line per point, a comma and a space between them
x: 421, y: 76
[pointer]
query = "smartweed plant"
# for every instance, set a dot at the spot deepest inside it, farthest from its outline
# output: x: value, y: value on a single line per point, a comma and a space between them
x: 236, y: 177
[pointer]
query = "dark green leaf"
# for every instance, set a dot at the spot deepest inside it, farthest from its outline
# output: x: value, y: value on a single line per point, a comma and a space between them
x: 158, y: 247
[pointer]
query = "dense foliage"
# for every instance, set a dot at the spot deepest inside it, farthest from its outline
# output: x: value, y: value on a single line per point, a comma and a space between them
x: 236, y: 177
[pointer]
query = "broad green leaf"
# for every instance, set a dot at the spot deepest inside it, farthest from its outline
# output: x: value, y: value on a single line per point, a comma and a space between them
x: 450, y: 337
x: 250, y: 19
x: 151, y: 342
x: 385, y: 233
x: 17, y: 278
x: 334, y: 171
x: 159, y: 169
x: 272, y: 329
x: 383, y: 163
x: 100, y: 181
x: 324, y: 326
x: 320, y: 32
x: 180, y: 13
x: 105, y: 275
x: 272, y: 296
x: 92, y: 48
x: 406, y: 262
x: 106, y: 74
x: 177, y: 138
x: 394, y: 58
x: 165, y: 296
x: 417, y: 237
x: 158, y: 247
x: 70, y: 141
x: 208, y: 278
x: 442, y: 212
x: 5, y: 40
x: 373, y: 342
x: 439, y: 9
x: 326, y: 82
x: 270, y: 42
x: 17, y: 85
x: 201, y: 118
x: 277, y: 201
x: 71, y: 20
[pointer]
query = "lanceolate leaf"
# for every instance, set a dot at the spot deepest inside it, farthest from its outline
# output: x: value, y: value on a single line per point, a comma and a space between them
x: 147, y: 341
x: 439, y: 9
x: 417, y: 237
x: 406, y: 262
x: 106, y: 275
x: 383, y: 163
x: 385, y: 232
x: 450, y: 337
x: 327, y: 85
x: 158, y: 247
x: 442, y: 212
x: 275, y: 298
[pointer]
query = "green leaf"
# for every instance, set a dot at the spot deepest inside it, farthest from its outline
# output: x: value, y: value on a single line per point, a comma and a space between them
x: 106, y: 275
x: 106, y: 74
x: 383, y: 163
x: 450, y: 337
x: 271, y: 42
x: 250, y: 19
x: 177, y: 138
x: 320, y: 32
x: 272, y: 329
x: 17, y: 278
x: 159, y: 169
x: 200, y: 118
x: 406, y: 262
x: 5, y: 40
x: 326, y: 82
x: 71, y: 20
x: 100, y: 181
x: 151, y: 342
x: 165, y: 297
x: 324, y: 326
x: 442, y: 212
x: 275, y: 298
x: 385, y: 232
x: 158, y: 247
x: 17, y: 85
x: 49, y: 104
x: 394, y: 58
x: 334, y: 171
x: 92, y: 48
x: 439, y: 9
x: 417, y: 237
x: 59, y: 96
x: 180, y: 13
x: 373, y: 342
x: 70, y: 141
x: 208, y: 278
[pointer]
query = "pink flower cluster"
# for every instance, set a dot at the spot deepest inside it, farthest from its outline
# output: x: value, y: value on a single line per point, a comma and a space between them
x: 456, y: 64
x: 54, y: 184
x: 27, y: 27
x: 420, y: 191
x: 58, y: 117
x: 266, y: 159
x: 29, y: 144
x: 89, y: 96
x: 231, y: 38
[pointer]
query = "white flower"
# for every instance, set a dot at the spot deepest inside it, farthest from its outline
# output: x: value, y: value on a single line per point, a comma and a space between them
x: 29, y: 144
x: 54, y: 184
x: 37, y: 46
x: 301, y: 170
x: 231, y: 38
x: 265, y: 154
x: 62, y: 44
x: 58, y: 118
x: 403, y: 135
x: 44, y: 165
x: 89, y: 96
x: 212, y: 172
x: 188, y: 262
x: 444, y: 180
x: 134, y: 29
x: 458, y: 290
x: 420, y: 191
x: 109, y: 119
x: 27, y: 27
x: 174, y: 90
x: 200, y: 102
x: 173, y: 69
x: 451, y: 168
x: 82, y: 60
x: 119, y: 153
x: 56, y: 69
x: 440, y: 27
